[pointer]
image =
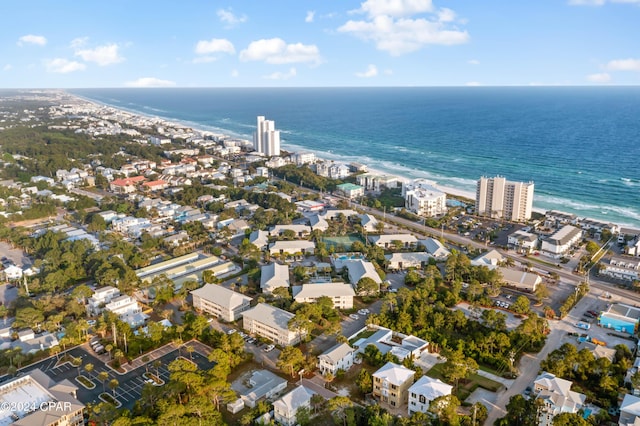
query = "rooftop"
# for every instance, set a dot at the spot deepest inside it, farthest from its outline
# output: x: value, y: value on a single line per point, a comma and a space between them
x: 221, y: 296
x: 269, y: 315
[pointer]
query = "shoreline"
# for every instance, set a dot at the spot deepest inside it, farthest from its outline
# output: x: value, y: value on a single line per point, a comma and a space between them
x: 197, y: 127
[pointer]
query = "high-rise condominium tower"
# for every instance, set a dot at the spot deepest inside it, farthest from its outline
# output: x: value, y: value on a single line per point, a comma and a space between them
x: 266, y: 139
x: 499, y: 198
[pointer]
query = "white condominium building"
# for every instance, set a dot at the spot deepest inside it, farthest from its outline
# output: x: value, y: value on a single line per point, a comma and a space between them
x: 499, y: 198
x: 266, y: 139
x: 272, y: 323
x: 424, y: 199
x: 220, y: 301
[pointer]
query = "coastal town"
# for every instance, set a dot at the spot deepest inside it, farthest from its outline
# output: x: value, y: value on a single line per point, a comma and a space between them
x: 153, y: 273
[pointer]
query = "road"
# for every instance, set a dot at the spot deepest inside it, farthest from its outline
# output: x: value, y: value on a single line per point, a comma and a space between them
x: 529, y: 365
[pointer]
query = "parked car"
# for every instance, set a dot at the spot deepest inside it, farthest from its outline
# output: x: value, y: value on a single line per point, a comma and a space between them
x: 230, y: 332
x: 354, y: 316
x: 269, y: 348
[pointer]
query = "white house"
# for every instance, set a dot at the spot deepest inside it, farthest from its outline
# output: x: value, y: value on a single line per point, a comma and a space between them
x: 272, y: 276
x: 341, y: 294
x: 399, y: 261
x: 557, y: 397
x: 271, y: 323
x: 389, y: 240
x: 435, y: 248
x: 259, y: 239
x: 358, y: 269
x: 339, y: 357
x: 286, y: 408
x: 299, y: 230
x: 13, y: 272
x: 425, y: 390
x: 292, y: 247
x: 522, y: 242
x: 220, y: 302
x: 561, y: 241
x: 128, y: 310
x: 629, y: 411
x: 101, y: 296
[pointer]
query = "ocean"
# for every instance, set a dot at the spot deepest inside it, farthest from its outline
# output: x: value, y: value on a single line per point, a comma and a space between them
x: 579, y: 145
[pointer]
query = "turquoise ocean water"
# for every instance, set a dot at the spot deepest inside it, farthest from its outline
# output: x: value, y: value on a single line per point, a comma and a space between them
x: 580, y: 145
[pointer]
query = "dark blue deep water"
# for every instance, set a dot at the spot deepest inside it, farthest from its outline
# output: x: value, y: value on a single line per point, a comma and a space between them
x: 580, y: 145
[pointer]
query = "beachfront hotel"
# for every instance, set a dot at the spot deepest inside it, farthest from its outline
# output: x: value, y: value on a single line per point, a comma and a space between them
x: 266, y: 139
x: 499, y: 198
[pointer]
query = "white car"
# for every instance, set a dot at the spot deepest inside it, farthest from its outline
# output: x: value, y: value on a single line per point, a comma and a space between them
x: 354, y: 316
x: 363, y: 312
x: 233, y: 330
x: 269, y: 348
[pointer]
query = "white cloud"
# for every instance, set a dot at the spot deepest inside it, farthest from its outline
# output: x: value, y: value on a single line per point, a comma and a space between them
x: 215, y: 45
x: 32, y: 39
x: 473, y: 84
x: 7, y: 67
x: 624, y: 65
x: 371, y: 71
x: 473, y: 62
x: 79, y: 42
x: 281, y: 76
x: 446, y: 15
x: 63, y: 66
x: 101, y: 55
x: 277, y: 51
x: 228, y: 17
x: 310, y: 16
x: 150, y: 82
x: 400, y: 36
x: 599, y: 78
x: 395, y: 8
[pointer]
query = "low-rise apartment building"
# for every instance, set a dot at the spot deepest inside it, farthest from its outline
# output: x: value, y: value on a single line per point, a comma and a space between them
x: 341, y: 294
x: 272, y: 323
x: 220, y: 302
x: 561, y: 241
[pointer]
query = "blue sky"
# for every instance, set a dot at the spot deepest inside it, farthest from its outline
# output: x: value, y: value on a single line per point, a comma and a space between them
x: 249, y: 43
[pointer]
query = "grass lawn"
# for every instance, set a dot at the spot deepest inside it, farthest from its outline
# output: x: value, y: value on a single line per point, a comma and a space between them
x: 468, y: 385
x: 362, y: 335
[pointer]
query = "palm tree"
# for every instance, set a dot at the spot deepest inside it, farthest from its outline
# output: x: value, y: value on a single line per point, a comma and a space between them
x: 89, y: 369
x: 156, y: 364
x: 145, y: 359
x: 55, y: 350
x: 109, y: 348
x: 103, y: 376
x: 77, y: 362
x: 190, y: 350
x: 113, y: 384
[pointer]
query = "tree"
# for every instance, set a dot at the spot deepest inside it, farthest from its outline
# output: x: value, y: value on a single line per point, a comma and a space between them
x: 290, y: 360
x: 521, y: 305
x: 569, y: 419
x: 317, y: 401
x: 89, y: 369
x: 338, y: 406
x: 77, y: 362
x: 542, y: 292
x: 367, y: 286
x: 444, y: 408
x: 103, y: 376
x: 458, y: 366
x: 113, y: 385
x: 364, y: 381
x: 520, y: 411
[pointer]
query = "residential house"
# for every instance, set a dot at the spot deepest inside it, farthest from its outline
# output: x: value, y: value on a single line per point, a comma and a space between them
x: 359, y: 268
x: 435, y: 248
x: 425, y: 390
x: 350, y: 190
x: 126, y: 186
x: 128, y: 310
x: 271, y: 323
x: 338, y: 357
x: 391, y: 384
x: 389, y: 241
x: 522, y: 242
x: 286, y: 408
x: 292, y: 247
x: 261, y: 384
x: 272, y: 276
x: 629, y: 411
x: 220, y: 302
x: 399, y: 344
x: 525, y: 281
x: 300, y: 231
x: 101, y: 296
x: 341, y: 294
x: 260, y: 239
x: 400, y: 261
x: 556, y: 396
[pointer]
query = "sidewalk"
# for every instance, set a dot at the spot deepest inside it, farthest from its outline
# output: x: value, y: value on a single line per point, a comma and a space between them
x: 153, y: 355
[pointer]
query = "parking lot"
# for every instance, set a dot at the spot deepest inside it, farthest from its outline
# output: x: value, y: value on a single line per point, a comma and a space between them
x: 130, y: 385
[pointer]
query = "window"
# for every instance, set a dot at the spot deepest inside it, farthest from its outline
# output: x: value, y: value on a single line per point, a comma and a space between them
x: 423, y: 399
